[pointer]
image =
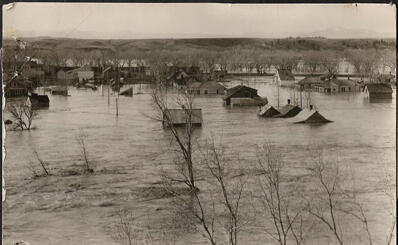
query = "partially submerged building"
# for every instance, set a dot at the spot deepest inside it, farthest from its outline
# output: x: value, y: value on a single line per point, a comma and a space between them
x: 378, y: 91
x: 82, y: 73
x: 289, y: 110
x: 209, y: 87
x: 310, y: 116
x: 127, y: 92
x: 243, y: 95
x: 180, y: 117
x: 268, y: 111
x: 59, y: 91
x: 38, y: 101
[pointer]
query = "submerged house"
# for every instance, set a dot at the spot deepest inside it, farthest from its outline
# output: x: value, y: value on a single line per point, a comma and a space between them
x: 268, y: 111
x: 127, y: 92
x: 310, y: 83
x: 289, y: 110
x: 310, y: 116
x: 285, y: 78
x: 180, y: 77
x: 180, y: 117
x: 378, y: 91
x: 210, y: 87
x: 59, y: 91
x: 82, y: 73
x: 243, y: 95
x: 38, y: 101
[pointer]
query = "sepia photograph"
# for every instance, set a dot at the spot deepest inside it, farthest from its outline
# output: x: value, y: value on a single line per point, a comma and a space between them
x: 198, y: 123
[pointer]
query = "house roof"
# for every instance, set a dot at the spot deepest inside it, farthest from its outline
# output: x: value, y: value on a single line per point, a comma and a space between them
x: 268, y: 111
x: 289, y: 110
x: 179, y: 116
x: 345, y: 82
x: 234, y: 90
x: 285, y: 74
x: 211, y: 84
x: 309, y: 116
x: 310, y: 81
x: 378, y: 88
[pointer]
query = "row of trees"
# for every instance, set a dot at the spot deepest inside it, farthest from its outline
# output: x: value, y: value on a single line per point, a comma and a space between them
x: 248, y: 59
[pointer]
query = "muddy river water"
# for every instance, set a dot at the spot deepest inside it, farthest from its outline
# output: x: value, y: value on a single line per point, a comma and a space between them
x: 127, y: 151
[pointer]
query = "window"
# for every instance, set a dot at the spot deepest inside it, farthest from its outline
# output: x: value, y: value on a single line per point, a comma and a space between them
x: 217, y: 91
x: 205, y: 91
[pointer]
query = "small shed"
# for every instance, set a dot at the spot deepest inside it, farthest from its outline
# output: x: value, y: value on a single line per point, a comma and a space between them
x: 268, y: 111
x: 240, y: 91
x: 180, y: 117
x: 209, y: 87
x: 59, y: 91
x: 38, y: 101
x: 127, y: 92
x: 289, y: 110
x: 310, y: 116
x: 378, y: 90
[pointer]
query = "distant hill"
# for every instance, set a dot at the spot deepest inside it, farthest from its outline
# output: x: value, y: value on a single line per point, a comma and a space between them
x: 208, y: 44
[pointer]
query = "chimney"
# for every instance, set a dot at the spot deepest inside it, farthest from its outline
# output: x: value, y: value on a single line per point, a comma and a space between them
x: 288, y: 101
x: 310, y: 107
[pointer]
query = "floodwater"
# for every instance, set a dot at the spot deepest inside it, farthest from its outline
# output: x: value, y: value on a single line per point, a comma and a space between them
x: 128, y: 153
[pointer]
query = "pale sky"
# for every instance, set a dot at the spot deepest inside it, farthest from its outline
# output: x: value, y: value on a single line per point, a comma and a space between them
x: 196, y: 20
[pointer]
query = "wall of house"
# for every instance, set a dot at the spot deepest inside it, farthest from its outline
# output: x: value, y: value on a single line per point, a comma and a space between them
x: 85, y: 75
x: 380, y: 95
x: 212, y: 90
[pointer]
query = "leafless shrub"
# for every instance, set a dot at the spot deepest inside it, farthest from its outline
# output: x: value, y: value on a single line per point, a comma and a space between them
x: 287, y: 221
x: 42, y: 163
x: 88, y: 168
x: 124, y: 228
x: 326, y: 206
x: 232, y: 191
x: 23, y: 116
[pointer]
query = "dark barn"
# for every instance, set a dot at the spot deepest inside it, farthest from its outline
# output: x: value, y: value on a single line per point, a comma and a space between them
x: 240, y: 91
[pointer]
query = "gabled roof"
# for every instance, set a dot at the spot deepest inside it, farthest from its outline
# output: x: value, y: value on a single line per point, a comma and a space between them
x: 268, y: 111
x: 211, y: 84
x: 310, y: 116
x: 310, y: 81
x: 289, y: 110
x: 378, y: 88
x: 234, y: 90
x: 285, y: 74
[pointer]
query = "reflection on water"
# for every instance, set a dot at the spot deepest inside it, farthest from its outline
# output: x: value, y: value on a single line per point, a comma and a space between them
x: 362, y: 134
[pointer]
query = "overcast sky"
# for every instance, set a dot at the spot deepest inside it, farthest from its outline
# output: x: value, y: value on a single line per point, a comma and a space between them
x: 190, y: 20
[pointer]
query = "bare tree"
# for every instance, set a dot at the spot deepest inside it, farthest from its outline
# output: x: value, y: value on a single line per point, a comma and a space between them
x: 276, y: 201
x: 325, y: 209
x: 81, y: 139
x: 42, y: 163
x: 330, y: 61
x: 183, y: 137
x: 124, y: 228
x: 231, y: 191
x: 23, y: 115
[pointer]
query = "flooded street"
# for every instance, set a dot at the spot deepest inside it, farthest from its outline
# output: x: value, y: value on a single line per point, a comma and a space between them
x: 128, y: 153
